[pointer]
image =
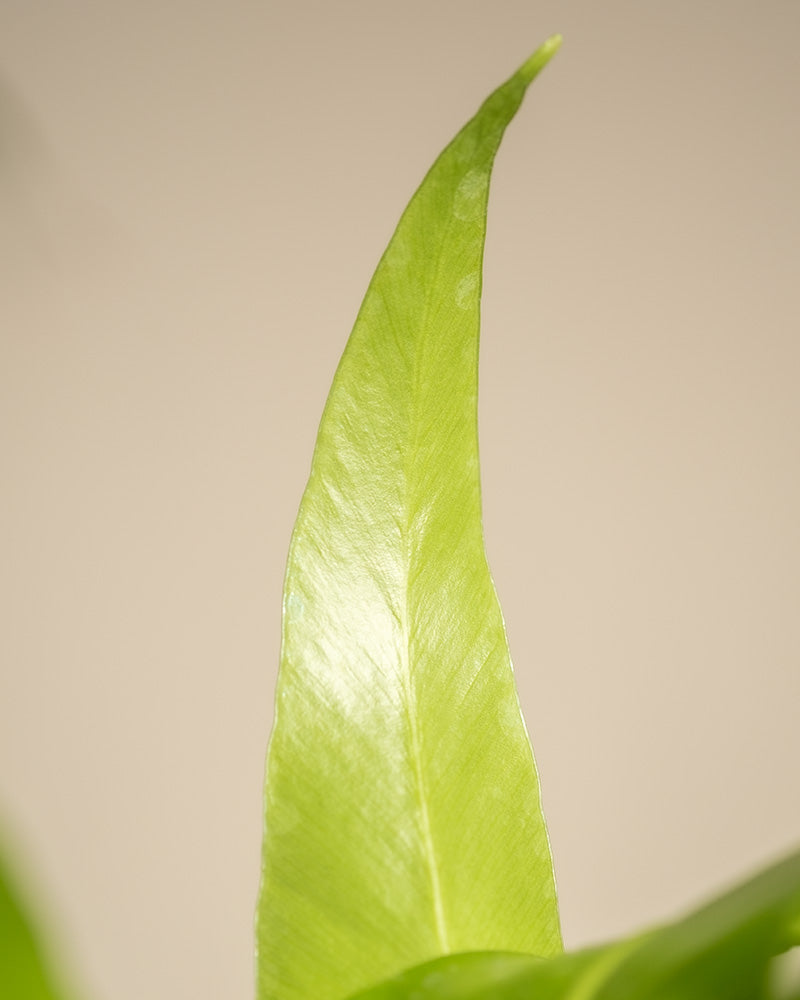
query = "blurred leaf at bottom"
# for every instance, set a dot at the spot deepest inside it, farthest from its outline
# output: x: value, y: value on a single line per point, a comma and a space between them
x: 722, y: 951
x: 24, y: 967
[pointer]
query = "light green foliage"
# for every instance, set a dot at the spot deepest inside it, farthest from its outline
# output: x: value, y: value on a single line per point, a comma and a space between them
x: 403, y: 818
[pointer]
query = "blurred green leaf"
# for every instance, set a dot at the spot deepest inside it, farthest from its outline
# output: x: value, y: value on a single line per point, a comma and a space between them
x: 722, y: 951
x: 480, y: 975
x: 783, y: 978
x: 403, y: 817
x: 24, y: 970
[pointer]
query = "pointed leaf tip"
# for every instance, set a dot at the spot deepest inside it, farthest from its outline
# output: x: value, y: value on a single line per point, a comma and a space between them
x: 531, y: 68
x: 403, y: 815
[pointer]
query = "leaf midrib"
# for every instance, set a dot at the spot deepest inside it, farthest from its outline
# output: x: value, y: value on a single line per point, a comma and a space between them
x: 427, y: 835
x: 409, y: 694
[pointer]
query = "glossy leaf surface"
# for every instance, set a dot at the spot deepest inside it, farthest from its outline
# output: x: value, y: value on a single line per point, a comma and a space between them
x: 403, y: 817
x: 720, y: 952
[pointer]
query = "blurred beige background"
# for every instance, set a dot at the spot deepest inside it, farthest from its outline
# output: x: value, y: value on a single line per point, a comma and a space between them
x: 193, y: 196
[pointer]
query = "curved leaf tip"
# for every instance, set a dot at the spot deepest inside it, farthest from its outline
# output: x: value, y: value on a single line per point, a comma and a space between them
x: 403, y: 816
x: 531, y: 68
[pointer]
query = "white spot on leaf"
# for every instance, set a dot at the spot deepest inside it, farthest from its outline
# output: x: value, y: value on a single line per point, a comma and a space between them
x: 467, y: 291
x: 470, y: 198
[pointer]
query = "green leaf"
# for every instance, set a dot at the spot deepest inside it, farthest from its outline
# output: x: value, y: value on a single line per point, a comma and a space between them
x: 721, y: 951
x: 403, y: 817
x: 24, y: 972
x: 487, y: 974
